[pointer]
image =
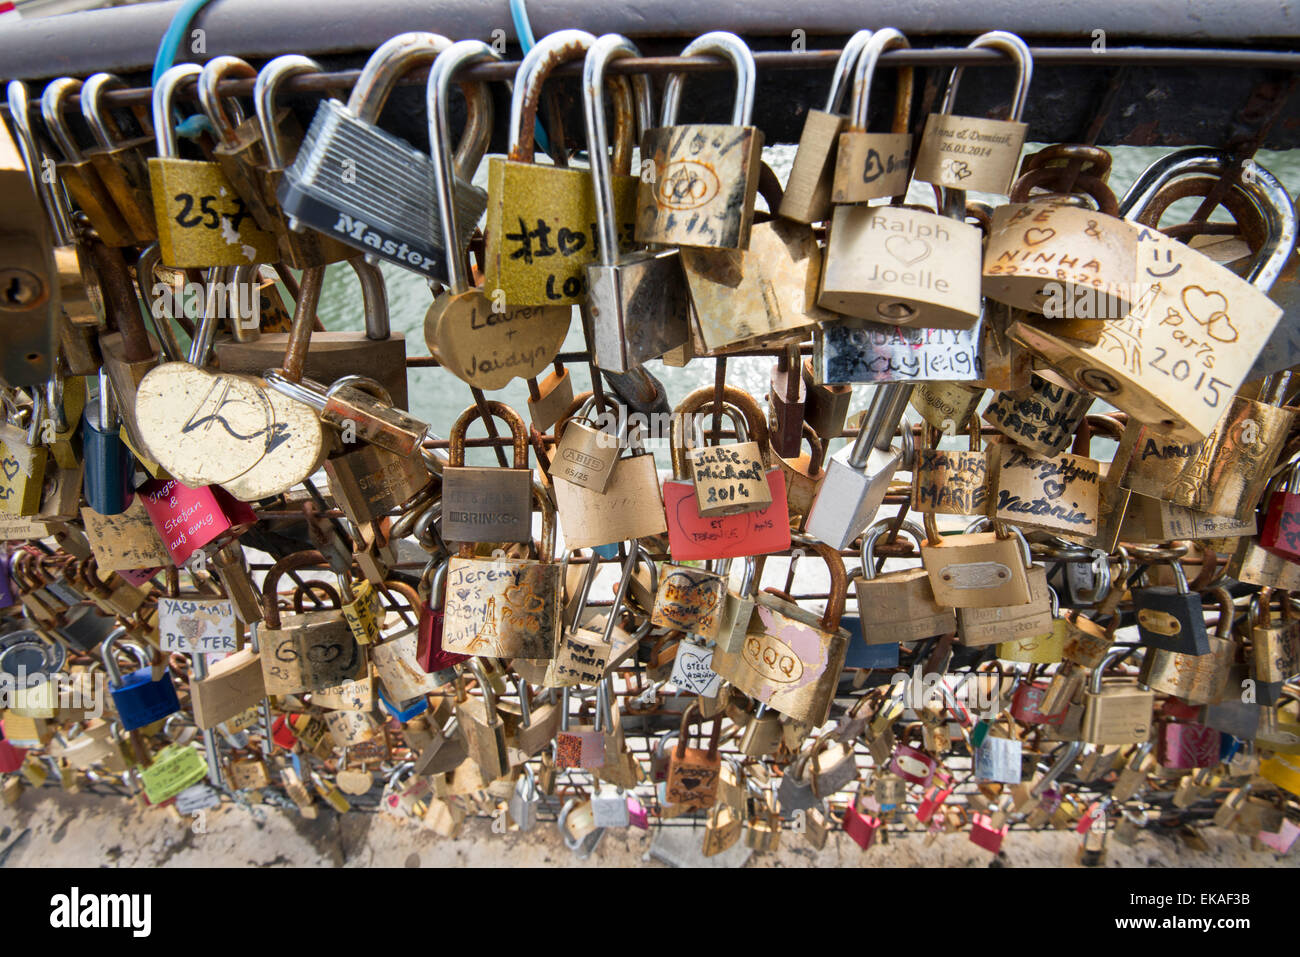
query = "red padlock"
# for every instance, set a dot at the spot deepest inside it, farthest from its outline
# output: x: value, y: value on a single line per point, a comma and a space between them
x: 912, y: 764
x: 1095, y: 810
x: 428, y: 647
x: 1280, y: 532
x: 985, y: 835
x: 191, y: 518
x: 861, y: 827
x: 933, y: 800
x: 282, y: 733
x: 11, y: 758
x: 1026, y: 701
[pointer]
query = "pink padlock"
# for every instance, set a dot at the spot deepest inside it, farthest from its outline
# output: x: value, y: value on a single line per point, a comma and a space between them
x: 1183, y: 746
x: 637, y: 815
x: 985, y: 835
x: 1026, y: 705
x: 932, y: 801
x: 190, y: 518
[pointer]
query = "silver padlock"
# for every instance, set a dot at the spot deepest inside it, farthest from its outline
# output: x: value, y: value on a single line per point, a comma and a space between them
x: 858, y: 477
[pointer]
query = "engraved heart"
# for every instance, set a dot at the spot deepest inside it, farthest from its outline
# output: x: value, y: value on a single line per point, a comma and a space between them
x: 1210, y: 309
x: 909, y: 252
x: 1035, y: 236
x: 10, y: 467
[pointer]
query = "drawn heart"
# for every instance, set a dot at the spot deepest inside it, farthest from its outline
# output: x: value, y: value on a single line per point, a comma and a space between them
x: 1210, y: 309
x: 1035, y: 236
x: 10, y: 467
x: 690, y: 784
x: 701, y: 594
x: 909, y: 252
x: 462, y: 593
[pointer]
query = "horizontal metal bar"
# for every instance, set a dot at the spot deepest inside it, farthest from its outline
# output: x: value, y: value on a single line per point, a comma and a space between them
x: 126, y: 38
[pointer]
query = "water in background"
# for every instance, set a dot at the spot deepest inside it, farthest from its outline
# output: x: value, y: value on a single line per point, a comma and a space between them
x: 438, y: 397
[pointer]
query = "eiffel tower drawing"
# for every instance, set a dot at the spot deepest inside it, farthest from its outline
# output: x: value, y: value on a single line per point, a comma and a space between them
x: 489, y: 628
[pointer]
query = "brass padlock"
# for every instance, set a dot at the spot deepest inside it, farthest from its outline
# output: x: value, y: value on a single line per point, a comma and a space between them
x: 898, y: 605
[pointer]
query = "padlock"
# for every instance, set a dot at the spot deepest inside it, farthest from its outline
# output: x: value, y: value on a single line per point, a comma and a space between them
x: 1143, y: 363
x: 1047, y: 255
x: 525, y: 799
x: 1000, y: 141
x: 121, y: 161
x: 860, y: 827
x: 977, y: 570
x: 691, y: 535
x: 542, y: 264
x: 636, y: 303
x: 804, y: 473
x: 326, y: 356
x: 1200, y: 678
x: 582, y: 655
x: 705, y: 176
x: 762, y: 295
x: 1116, y: 715
x: 144, y: 696
x: 631, y: 507
x: 22, y: 456
x: 362, y: 186
x: 730, y: 478
x: 858, y: 477
x: 792, y: 659
x: 487, y: 504
x: 549, y: 400
x: 191, y: 519
x: 501, y: 607
x: 692, y: 779
x: 1171, y: 618
x: 827, y: 406
x: 307, y: 651
x: 110, y: 467
x: 1279, y: 533
x: 1183, y: 746
x: 433, y: 589
x: 483, y: 337
x: 1058, y: 494
x: 1043, y: 417
x: 200, y: 218
x: 951, y: 483
x: 762, y: 733
x: 1275, y: 649
x: 982, y: 625
x: 875, y: 165
x: 582, y: 746
x: 807, y: 197
x: 898, y: 605
x: 1043, y: 648
x: 80, y: 177
x: 584, y: 455
x: 485, y: 732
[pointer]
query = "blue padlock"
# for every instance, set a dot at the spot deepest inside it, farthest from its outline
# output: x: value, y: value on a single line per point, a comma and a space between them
x: 110, y: 465
x: 139, y: 698
x: 407, y: 710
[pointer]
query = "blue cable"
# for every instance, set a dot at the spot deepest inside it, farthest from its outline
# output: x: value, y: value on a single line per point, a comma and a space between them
x: 524, y: 30
x: 172, y: 37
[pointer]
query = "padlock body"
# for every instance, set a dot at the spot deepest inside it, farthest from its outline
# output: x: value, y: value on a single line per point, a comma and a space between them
x: 1171, y: 621
x: 139, y: 700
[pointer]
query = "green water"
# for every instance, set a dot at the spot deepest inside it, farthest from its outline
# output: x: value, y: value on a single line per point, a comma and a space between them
x: 438, y: 397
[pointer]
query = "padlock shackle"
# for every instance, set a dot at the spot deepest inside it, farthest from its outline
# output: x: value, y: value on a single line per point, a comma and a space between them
x: 887, y: 39
x: 146, y: 267
x: 842, y: 76
x: 702, y: 397
x: 102, y: 125
x: 437, y: 96
x: 393, y: 58
x: 224, y: 124
x: 868, y: 553
x: 609, y: 47
x: 518, y: 432
x: 726, y: 46
x: 1068, y: 755
x: 1265, y: 190
x: 526, y: 98
x: 1083, y: 183
x: 164, y: 93
x: 33, y: 153
x: 839, y: 580
x: 265, y: 89
x: 52, y: 100
x: 270, y: 605
x: 298, y: 342
x: 1018, y: 51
